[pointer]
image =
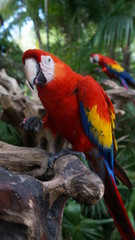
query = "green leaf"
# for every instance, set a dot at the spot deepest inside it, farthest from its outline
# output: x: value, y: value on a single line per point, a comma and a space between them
x: 9, y: 134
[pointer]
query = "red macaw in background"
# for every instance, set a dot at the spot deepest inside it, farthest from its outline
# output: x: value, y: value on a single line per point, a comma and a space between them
x: 79, y: 109
x: 113, y: 69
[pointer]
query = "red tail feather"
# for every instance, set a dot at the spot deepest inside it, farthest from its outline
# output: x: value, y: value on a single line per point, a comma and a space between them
x: 117, y: 210
x: 121, y: 174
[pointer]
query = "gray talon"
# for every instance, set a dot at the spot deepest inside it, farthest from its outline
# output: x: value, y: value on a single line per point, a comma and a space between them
x: 32, y: 124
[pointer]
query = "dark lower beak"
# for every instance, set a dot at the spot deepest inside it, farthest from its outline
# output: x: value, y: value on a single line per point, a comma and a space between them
x: 40, y: 79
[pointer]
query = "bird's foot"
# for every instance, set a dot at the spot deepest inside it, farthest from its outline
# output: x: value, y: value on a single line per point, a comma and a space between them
x: 54, y: 157
x: 32, y: 124
x: 98, y: 70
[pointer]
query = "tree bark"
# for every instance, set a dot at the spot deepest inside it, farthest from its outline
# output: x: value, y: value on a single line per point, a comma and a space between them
x: 32, y: 208
x: 119, y: 95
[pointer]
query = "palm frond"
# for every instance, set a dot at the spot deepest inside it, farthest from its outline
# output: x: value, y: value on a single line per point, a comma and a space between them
x: 117, y: 25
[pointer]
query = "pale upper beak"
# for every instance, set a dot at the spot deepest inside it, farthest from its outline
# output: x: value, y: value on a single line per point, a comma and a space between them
x: 30, y: 70
x: 91, y: 60
x: 33, y: 73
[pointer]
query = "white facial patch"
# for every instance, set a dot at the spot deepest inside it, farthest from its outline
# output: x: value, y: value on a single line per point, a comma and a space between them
x: 96, y: 58
x: 47, y: 67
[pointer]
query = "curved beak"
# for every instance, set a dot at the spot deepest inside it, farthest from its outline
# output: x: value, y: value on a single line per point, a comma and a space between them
x: 91, y: 60
x: 33, y: 73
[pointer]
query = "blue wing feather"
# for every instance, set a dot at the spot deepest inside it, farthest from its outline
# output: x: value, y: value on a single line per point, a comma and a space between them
x: 120, y: 74
x: 106, y: 153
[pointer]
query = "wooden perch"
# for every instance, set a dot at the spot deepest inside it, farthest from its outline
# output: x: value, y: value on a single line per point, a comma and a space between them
x: 119, y: 95
x: 31, y: 208
x: 8, y: 84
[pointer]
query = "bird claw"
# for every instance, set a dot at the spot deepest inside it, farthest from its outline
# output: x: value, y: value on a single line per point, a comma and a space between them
x: 32, y: 124
x: 98, y: 70
x: 54, y: 157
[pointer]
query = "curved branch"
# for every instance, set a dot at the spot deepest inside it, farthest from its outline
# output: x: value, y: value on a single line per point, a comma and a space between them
x: 38, y: 205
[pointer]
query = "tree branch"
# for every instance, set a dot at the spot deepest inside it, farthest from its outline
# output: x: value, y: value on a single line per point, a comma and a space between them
x: 38, y: 205
x: 119, y: 95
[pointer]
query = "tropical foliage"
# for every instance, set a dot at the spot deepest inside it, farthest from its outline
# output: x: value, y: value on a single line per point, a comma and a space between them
x: 76, y: 29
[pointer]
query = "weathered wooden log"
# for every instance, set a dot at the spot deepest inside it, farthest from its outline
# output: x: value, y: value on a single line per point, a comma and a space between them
x: 119, y: 95
x: 8, y: 84
x: 31, y: 161
x: 31, y: 208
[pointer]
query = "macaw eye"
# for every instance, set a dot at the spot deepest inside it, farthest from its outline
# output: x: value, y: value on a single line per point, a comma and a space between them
x: 47, y: 67
x: 48, y: 60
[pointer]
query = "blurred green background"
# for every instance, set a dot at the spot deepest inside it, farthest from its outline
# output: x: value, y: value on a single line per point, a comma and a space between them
x: 76, y: 29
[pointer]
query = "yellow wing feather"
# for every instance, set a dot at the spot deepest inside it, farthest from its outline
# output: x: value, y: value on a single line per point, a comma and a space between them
x: 100, y: 128
x: 116, y: 67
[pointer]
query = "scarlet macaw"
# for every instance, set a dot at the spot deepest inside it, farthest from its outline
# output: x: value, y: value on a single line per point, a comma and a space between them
x: 113, y: 69
x: 79, y: 109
